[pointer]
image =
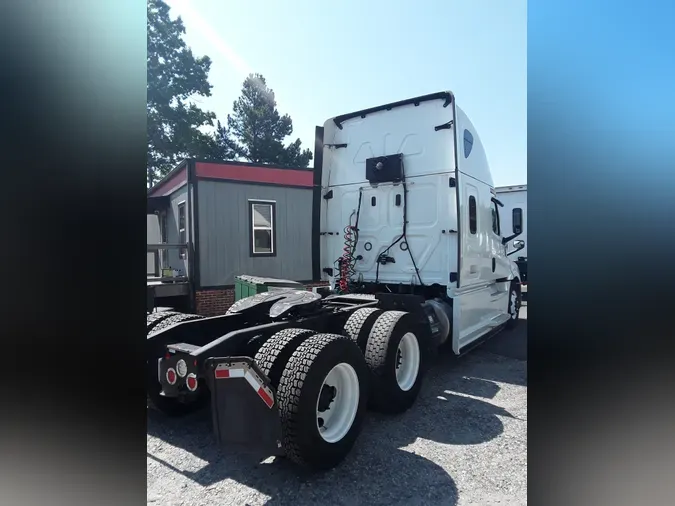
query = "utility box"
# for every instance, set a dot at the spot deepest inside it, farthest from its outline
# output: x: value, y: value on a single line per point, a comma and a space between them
x: 246, y: 286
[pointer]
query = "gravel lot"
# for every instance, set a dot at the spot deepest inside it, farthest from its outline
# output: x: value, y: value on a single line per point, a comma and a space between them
x: 463, y: 443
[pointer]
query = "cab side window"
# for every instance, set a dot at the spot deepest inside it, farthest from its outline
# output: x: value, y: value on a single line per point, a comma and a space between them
x: 468, y: 143
x: 473, y: 221
x: 495, y: 219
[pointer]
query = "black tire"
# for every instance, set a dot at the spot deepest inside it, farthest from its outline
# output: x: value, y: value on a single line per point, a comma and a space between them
x: 153, y: 319
x: 359, y: 324
x: 252, y: 346
x: 172, y: 320
x: 273, y: 356
x: 515, y: 301
x: 382, y: 357
x: 299, y: 389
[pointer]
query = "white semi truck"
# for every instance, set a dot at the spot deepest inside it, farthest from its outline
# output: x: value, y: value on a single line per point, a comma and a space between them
x: 413, y: 244
x: 514, y: 212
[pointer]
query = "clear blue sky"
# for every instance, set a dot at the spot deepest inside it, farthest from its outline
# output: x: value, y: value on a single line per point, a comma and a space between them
x: 323, y: 59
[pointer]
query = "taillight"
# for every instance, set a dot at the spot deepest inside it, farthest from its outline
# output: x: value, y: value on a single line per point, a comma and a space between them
x: 191, y: 382
x: 171, y: 376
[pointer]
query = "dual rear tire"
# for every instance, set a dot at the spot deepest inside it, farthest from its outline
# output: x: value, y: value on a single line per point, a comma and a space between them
x: 321, y: 382
x: 396, y: 358
x: 325, y: 382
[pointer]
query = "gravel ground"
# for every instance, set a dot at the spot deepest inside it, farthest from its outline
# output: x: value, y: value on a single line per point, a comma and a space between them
x: 463, y: 443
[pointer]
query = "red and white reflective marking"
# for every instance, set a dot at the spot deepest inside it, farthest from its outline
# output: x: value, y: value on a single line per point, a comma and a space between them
x: 243, y: 371
x: 229, y: 373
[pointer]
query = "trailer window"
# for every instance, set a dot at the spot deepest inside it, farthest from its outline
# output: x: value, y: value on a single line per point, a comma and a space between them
x: 495, y: 219
x: 182, y: 236
x: 468, y: 143
x: 473, y: 222
x: 162, y: 227
x: 163, y: 232
x: 262, y: 228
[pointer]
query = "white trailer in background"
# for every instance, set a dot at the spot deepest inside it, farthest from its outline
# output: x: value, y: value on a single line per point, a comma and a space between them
x: 514, y: 215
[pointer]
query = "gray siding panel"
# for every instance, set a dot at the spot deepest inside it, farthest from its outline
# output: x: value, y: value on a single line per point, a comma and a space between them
x: 225, y: 235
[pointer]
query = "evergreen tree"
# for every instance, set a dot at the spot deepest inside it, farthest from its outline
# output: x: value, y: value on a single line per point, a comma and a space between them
x: 174, y: 76
x: 256, y: 130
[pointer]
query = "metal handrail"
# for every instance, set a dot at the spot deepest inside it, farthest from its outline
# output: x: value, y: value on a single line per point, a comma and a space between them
x: 157, y: 247
x: 160, y: 246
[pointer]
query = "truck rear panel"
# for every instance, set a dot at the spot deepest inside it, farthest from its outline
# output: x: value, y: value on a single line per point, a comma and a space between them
x: 419, y: 132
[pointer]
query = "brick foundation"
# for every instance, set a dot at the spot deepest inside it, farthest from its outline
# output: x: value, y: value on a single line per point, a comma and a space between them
x: 217, y: 302
x: 213, y: 302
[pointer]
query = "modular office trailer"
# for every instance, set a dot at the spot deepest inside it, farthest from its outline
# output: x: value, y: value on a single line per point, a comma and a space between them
x: 232, y: 218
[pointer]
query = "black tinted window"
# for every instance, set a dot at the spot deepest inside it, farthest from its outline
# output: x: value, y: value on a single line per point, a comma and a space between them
x: 495, y: 219
x: 468, y: 143
x: 473, y: 226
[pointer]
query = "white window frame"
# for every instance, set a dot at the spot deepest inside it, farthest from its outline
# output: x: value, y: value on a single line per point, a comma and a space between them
x: 182, y: 252
x: 272, y: 205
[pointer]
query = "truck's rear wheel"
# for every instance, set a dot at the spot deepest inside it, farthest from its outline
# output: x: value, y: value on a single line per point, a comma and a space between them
x: 396, y: 358
x: 322, y: 396
x: 273, y: 356
x: 515, y: 300
x: 359, y: 324
x: 172, y: 320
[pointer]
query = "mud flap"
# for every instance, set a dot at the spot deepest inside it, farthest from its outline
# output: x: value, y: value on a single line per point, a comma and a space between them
x: 243, y: 406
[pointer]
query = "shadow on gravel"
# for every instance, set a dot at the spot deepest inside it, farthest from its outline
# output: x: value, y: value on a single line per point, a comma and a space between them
x: 378, y: 470
x: 491, y: 361
x: 511, y: 344
x: 453, y: 409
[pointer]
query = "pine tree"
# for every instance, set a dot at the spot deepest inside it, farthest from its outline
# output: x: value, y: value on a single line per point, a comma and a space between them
x: 256, y: 130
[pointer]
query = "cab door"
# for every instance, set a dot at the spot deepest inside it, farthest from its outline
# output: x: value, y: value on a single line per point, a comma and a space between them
x: 474, y: 307
x: 499, y: 262
x: 499, y: 265
x: 472, y: 256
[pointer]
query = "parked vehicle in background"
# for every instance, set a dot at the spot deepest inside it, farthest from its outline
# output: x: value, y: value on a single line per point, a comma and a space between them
x: 514, y: 199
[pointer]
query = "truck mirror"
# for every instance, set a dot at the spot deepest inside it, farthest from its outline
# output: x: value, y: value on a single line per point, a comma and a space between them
x: 517, y: 221
x: 517, y: 246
